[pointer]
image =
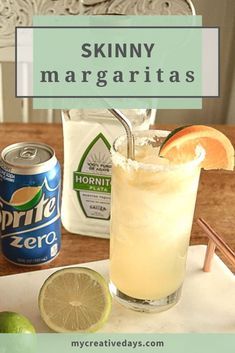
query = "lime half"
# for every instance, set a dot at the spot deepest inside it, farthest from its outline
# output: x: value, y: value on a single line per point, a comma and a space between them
x: 11, y: 322
x: 75, y: 299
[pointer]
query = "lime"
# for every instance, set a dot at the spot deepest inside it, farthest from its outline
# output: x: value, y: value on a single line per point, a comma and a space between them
x: 11, y: 322
x: 75, y: 299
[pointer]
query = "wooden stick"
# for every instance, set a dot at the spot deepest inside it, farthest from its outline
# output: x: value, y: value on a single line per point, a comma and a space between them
x: 209, y: 256
x: 218, y: 241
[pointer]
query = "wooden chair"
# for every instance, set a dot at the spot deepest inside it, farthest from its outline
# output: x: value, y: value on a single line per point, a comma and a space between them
x: 19, y: 13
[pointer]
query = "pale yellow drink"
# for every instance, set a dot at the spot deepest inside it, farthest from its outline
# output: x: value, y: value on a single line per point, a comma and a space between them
x: 152, y: 211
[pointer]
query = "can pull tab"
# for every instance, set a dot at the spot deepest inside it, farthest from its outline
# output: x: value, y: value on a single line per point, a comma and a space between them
x: 28, y: 153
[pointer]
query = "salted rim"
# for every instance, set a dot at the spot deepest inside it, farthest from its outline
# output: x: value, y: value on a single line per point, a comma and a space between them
x: 141, y: 137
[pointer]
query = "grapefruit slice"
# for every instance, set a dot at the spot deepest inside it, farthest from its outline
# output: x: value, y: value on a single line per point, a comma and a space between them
x: 26, y: 198
x: 181, y: 143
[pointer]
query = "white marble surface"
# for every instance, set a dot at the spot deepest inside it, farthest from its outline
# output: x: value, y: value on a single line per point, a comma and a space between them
x: 207, y: 303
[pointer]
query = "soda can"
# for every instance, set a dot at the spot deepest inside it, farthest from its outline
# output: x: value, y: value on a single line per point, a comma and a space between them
x: 30, y: 182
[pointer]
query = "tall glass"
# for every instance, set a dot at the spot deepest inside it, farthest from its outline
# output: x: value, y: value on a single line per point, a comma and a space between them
x: 151, y: 218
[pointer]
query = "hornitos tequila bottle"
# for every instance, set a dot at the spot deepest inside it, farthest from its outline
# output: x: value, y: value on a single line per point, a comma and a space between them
x: 88, y: 136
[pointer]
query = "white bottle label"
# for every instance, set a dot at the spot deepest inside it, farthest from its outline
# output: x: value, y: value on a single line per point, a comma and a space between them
x: 92, y: 180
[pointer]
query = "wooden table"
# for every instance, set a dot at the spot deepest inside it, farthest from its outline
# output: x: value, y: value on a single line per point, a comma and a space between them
x: 215, y: 201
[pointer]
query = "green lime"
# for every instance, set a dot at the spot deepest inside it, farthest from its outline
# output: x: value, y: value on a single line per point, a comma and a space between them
x: 11, y: 322
x: 75, y: 299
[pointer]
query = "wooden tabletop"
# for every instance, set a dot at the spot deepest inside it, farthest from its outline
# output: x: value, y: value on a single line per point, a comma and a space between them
x: 215, y: 201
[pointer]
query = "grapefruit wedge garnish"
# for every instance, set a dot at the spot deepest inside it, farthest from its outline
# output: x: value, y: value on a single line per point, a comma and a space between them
x: 26, y: 198
x: 181, y: 144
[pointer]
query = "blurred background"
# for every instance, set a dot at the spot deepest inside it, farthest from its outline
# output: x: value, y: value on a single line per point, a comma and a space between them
x: 214, y: 12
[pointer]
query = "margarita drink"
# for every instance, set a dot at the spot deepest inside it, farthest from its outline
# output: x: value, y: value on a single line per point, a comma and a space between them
x: 151, y: 217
